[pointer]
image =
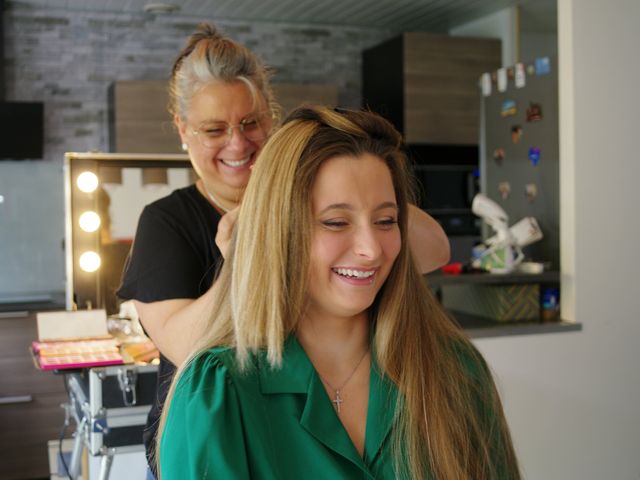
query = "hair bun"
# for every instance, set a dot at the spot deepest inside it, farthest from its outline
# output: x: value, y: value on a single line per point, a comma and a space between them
x: 208, y: 31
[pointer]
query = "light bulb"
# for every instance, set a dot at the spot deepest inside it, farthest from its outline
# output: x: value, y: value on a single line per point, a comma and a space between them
x: 87, y: 182
x: 89, y: 221
x: 90, y: 261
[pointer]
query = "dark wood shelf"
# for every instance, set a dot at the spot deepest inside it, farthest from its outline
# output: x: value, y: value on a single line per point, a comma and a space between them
x: 482, y: 327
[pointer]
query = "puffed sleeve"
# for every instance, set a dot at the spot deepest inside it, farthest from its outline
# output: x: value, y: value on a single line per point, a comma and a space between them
x: 203, y: 437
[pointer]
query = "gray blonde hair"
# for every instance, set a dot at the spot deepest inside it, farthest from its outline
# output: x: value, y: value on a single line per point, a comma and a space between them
x: 211, y: 57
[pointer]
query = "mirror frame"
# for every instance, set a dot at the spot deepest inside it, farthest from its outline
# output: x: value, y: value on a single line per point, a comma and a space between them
x: 84, y: 289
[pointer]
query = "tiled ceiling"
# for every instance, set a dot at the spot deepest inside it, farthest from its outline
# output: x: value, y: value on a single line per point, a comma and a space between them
x: 395, y: 15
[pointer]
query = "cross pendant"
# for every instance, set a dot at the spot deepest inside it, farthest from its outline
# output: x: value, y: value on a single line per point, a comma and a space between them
x: 337, y: 401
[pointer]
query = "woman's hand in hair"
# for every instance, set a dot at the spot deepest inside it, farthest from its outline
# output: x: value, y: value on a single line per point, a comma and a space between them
x: 427, y: 240
x: 225, y: 230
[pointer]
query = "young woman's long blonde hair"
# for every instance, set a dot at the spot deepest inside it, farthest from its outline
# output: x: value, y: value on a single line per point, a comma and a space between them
x: 449, y: 421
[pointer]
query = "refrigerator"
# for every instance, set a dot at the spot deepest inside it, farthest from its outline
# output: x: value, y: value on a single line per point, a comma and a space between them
x: 519, y: 149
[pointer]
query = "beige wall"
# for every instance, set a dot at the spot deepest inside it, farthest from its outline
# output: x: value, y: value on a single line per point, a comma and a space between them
x: 573, y: 399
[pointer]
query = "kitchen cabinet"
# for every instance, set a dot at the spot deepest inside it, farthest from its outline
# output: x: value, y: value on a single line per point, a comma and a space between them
x: 140, y: 123
x: 30, y: 400
x: 427, y: 85
x: 291, y: 95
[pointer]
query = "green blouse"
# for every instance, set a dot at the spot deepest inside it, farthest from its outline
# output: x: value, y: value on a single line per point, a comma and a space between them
x: 269, y: 424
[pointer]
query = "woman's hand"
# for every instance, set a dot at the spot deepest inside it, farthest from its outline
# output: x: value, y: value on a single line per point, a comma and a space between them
x: 427, y: 240
x: 225, y: 230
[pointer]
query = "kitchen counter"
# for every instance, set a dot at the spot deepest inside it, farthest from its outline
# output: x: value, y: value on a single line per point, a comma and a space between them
x: 481, y: 327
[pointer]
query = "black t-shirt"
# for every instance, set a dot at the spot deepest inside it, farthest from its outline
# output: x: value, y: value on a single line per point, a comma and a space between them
x: 174, y: 255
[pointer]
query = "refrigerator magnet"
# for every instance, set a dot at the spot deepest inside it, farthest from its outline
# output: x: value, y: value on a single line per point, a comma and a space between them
x: 505, y: 189
x: 508, y: 108
x: 543, y: 66
x: 485, y: 84
x: 531, y: 69
x: 498, y: 155
x: 520, y: 79
x: 534, y: 156
x: 502, y: 79
x: 531, y: 192
x: 534, y: 112
x: 516, y: 133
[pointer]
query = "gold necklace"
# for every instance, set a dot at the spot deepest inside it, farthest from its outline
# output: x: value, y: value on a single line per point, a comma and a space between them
x: 215, y: 201
x: 337, y: 399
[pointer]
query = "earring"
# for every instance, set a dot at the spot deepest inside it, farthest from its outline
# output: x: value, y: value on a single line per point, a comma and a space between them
x: 184, y: 147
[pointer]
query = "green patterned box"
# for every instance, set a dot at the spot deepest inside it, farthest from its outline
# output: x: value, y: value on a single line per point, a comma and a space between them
x: 500, y: 302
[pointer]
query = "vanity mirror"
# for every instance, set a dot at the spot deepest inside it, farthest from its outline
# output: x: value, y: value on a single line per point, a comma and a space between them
x: 104, y: 196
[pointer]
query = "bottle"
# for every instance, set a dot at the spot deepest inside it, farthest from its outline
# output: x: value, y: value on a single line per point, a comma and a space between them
x: 550, y: 304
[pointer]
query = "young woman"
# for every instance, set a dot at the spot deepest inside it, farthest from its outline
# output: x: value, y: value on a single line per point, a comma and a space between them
x: 224, y: 110
x: 326, y: 355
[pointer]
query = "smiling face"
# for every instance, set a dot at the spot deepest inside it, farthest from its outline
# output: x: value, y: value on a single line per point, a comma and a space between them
x: 355, y: 237
x: 224, y: 169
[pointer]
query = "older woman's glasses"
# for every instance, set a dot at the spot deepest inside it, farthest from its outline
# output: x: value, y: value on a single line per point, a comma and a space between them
x: 218, y: 134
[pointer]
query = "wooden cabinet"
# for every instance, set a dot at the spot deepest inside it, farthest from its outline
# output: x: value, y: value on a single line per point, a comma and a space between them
x: 30, y: 400
x: 291, y: 95
x: 427, y: 85
x: 139, y: 121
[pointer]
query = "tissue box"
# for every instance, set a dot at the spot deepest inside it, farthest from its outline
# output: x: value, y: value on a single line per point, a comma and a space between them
x: 499, y: 302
